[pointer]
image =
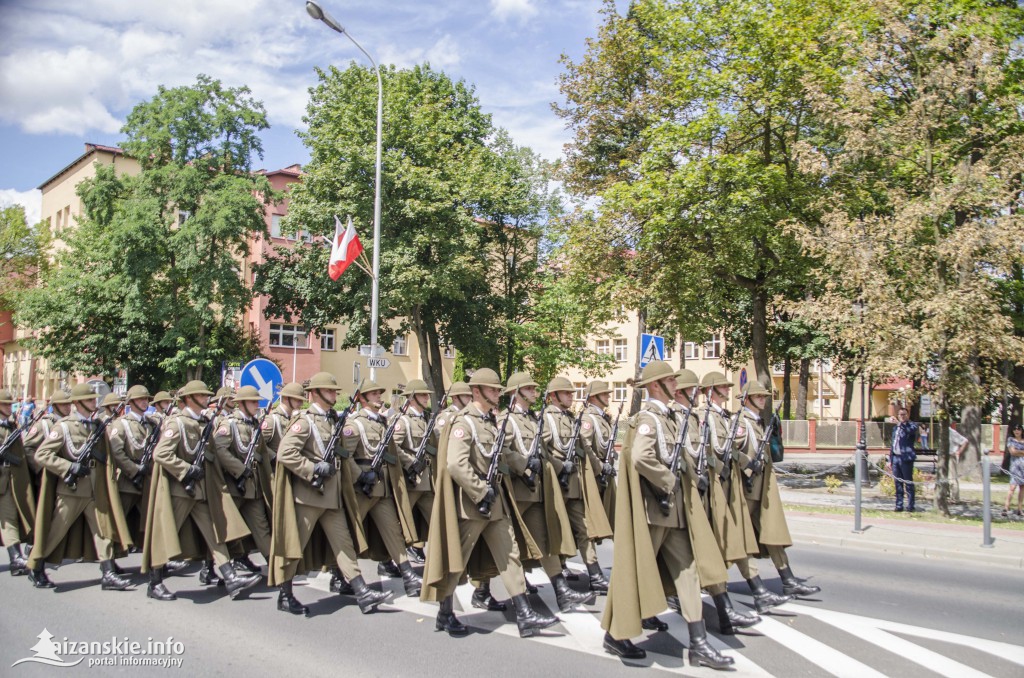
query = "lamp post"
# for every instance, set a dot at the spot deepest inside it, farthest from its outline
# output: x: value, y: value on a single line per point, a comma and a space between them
x: 319, y: 14
x: 860, y: 470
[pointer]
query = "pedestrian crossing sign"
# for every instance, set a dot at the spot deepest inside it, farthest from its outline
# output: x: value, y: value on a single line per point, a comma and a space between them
x: 652, y: 347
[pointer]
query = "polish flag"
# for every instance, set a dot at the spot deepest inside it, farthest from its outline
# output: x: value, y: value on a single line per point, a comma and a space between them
x: 344, y: 248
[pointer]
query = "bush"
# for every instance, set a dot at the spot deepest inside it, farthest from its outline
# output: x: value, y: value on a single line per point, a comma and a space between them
x: 887, y: 484
x: 833, y: 483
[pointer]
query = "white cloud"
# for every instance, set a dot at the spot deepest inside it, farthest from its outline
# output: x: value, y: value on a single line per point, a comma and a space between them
x: 513, y: 9
x: 31, y: 200
x: 443, y: 54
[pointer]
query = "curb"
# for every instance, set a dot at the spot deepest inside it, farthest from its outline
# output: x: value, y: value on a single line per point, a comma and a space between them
x: 854, y: 541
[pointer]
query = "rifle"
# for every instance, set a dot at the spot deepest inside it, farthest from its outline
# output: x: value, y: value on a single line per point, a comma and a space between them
x: 673, y: 466
x: 609, y: 451
x: 16, y: 434
x: 418, y: 463
x: 757, y: 463
x: 531, y: 480
x: 147, y: 451
x: 378, y: 456
x: 88, y: 449
x: 702, y: 451
x: 250, y: 454
x: 204, y: 441
x: 570, y: 447
x: 492, y: 477
x: 332, y: 443
x: 731, y: 440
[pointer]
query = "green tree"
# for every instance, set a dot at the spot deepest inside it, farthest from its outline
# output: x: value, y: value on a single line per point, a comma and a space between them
x: 22, y: 251
x: 150, y: 280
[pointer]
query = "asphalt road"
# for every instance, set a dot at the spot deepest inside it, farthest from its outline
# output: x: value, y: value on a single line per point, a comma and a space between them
x: 877, y: 615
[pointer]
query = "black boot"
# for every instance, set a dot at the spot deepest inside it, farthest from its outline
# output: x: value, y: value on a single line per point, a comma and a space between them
x: 174, y: 566
x: 19, y: 565
x: 570, y: 575
x: 39, y: 579
x: 529, y: 621
x: 623, y: 648
x: 653, y: 624
x: 389, y: 568
x: 412, y: 581
x: 244, y: 563
x: 206, y: 575
x: 286, y: 600
x: 447, y: 621
x: 117, y: 568
x: 483, y: 599
x: 729, y: 619
x: 702, y: 654
x: 110, y: 580
x: 598, y: 583
x: 156, y: 589
x: 764, y: 599
x: 673, y: 603
x: 339, y: 584
x: 791, y: 586
x: 237, y: 583
x: 416, y: 555
x: 530, y: 588
x: 367, y: 598
x: 568, y: 599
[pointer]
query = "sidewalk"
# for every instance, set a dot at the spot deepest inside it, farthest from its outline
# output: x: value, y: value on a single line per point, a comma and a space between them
x: 891, y: 535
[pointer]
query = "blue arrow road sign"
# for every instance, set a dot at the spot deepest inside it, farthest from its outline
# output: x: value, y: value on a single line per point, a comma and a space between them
x: 652, y: 347
x: 265, y: 376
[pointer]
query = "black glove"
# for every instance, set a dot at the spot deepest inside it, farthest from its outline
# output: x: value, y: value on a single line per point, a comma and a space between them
x: 533, y: 465
x: 194, y: 473
x: 367, y: 478
x: 323, y: 469
x: 488, y: 498
x: 568, y: 466
x: 143, y: 470
x: 245, y: 475
x: 79, y: 471
x: 418, y: 466
x: 606, y: 469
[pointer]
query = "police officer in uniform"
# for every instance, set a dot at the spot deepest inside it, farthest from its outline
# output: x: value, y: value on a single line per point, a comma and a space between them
x: 360, y: 438
x: 761, y: 490
x: 576, y: 478
x: 530, y: 475
x: 652, y: 497
x: 330, y: 507
x: 464, y: 458
x: 730, y: 512
x: 409, y: 434
x: 87, y: 497
x: 231, y: 444
x: 184, y: 490
x: 17, y: 499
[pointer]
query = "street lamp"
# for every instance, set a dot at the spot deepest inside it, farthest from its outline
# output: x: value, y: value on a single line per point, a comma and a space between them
x: 319, y: 14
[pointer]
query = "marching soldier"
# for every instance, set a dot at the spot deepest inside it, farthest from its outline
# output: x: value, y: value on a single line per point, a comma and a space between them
x: 576, y: 479
x: 534, y: 491
x: 697, y: 472
x: 387, y: 505
x: 654, y: 535
x: 314, y: 497
x: 184, y: 490
x: 761, y: 490
x: 466, y: 510
x: 60, y: 407
x: 249, y: 485
x: 599, y: 442
x: 164, y: 404
x: 460, y: 397
x: 110, y: 403
x: 17, y: 498
x: 730, y: 514
x: 78, y: 486
x: 276, y: 422
x: 409, y: 434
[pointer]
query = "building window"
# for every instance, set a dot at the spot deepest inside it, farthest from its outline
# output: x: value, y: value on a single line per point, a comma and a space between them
x: 603, y: 347
x: 621, y: 353
x: 327, y: 340
x: 619, y: 391
x: 401, y: 346
x: 449, y: 352
x: 288, y: 336
x: 275, y: 225
x: 581, y: 390
x: 713, y: 348
x: 668, y: 351
x: 691, y: 351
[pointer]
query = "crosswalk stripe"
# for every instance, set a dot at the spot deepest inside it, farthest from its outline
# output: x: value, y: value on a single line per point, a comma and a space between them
x: 743, y: 667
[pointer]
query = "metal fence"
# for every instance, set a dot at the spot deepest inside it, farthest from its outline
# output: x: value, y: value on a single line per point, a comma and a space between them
x: 846, y: 434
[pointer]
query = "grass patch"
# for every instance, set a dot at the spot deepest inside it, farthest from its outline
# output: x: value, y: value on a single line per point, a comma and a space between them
x: 923, y: 517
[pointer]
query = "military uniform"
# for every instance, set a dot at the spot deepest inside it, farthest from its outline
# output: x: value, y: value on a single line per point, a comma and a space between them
x: 409, y: 434
x: 597, y: 438
x: 17, y: 498
x: 90, y: 498
x: 275, y: 425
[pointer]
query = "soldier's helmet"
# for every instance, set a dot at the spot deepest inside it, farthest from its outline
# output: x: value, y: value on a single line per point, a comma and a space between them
x: 247, y: 393
x: 686, y: 379
x: 485, y: 377
x: 756, y: 389
x: 599, y: 387
x: 460, y: 388
x: 292, y: 390
x: 60, y: 397
x: 560, y: 384
x: 323, y: 380
x: 82, y: 392
x: 519, y: 380
x: 162, y: 397
x: 194, y: 387
x: 712, y: 379
x: 416, y: 387
x: 654, y: 371
x: 111, y: 400
x: 136, y: 392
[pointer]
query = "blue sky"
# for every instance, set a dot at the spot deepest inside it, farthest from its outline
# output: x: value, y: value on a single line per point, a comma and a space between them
x: 71, y: 70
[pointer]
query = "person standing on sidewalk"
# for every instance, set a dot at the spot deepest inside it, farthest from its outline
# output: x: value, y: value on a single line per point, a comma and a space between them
x: 902, y: 456
x: 1015, y: 447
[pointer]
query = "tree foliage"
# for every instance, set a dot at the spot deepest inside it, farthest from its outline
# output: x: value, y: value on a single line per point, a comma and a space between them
x: 150, y: 280
x: 22, y: 251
